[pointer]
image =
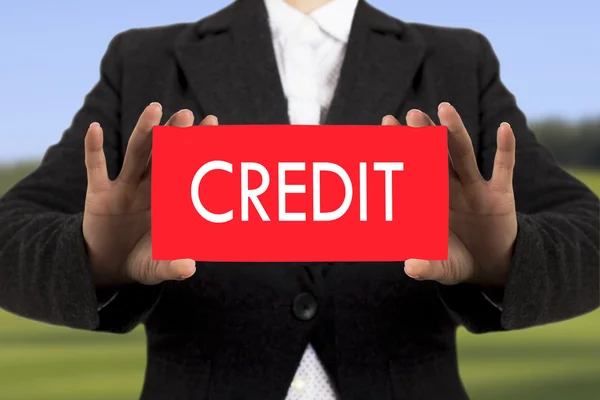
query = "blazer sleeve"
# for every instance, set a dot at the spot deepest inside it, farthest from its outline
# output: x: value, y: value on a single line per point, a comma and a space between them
x: 44, y: 268
x: 555, y: 273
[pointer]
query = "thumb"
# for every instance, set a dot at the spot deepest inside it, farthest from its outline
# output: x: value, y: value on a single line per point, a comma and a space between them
x: 176, y: 270
x: 423, y: 270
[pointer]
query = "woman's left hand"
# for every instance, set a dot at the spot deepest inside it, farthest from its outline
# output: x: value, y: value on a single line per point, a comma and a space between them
x: 483, y: 219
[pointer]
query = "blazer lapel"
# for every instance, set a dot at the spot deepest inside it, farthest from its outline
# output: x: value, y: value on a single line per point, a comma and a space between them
x: 229, y: 63
x: 382, y: 58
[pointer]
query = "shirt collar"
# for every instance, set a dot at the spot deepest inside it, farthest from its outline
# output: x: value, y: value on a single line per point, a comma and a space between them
x: 335, y: 17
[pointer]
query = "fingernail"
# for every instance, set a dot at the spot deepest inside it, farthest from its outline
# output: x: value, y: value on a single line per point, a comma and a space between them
x: 443, y: 103
x: 408, y: 271
x: 94, y: 124
x: 414, y: 110
x: 157, y: 104
x: 191, y: 271
x: 505, y: 124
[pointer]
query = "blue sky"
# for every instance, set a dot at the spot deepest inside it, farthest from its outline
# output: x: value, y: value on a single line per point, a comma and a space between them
x: 549, y: 53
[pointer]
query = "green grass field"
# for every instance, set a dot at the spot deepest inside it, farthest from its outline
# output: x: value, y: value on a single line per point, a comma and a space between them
x: 41, y: 362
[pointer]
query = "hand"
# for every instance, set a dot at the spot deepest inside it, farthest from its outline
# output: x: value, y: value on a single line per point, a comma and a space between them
x: 483, y: 219
x: 116, y: 220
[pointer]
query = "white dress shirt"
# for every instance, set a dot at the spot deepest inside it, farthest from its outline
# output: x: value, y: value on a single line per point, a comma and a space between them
x: 309, y: 50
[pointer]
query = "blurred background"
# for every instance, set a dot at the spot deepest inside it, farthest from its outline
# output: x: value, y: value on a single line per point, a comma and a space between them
x: 550, y: 58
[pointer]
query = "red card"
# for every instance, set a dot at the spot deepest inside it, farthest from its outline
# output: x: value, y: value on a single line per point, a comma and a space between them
x: 299, y: 193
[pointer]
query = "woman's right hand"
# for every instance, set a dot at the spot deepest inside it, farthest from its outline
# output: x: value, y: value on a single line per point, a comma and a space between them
x: 116, y: 220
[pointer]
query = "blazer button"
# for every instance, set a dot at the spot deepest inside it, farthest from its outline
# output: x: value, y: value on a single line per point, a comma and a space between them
x: 305, y: 306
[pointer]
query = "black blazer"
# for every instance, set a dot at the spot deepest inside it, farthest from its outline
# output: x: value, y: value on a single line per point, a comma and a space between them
x: 238, y: 330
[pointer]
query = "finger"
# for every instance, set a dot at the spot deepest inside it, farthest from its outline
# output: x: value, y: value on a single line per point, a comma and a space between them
x: 418, y: 119
x: 95, y: 160
x: 174, y: 270
x: 140, y: 145
x: 389, y: 120
x: 182, y: 119
x: 210, y: 120
x: 462, y: 155
x: 504, y: 161
x: 423, y: 270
